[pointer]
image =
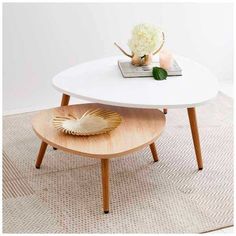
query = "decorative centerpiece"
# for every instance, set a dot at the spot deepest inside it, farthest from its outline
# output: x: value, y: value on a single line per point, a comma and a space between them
x: 146, y: 41
x: 96, y: 121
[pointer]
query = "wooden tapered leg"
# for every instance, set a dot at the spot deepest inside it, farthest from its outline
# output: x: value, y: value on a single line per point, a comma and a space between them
x: 165, y: 111
x: 105, y: 184
x: 42, y: 151
x: 154, y: 151
x: 194, y: 129
x: 64, y: 102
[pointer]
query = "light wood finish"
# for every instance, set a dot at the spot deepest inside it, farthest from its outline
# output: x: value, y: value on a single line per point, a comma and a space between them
x: 195, y: 135
x: 105, y: 184
x: 64, y: 102
x: 42, y: 151
x: 139, y: 128
x: 165, y: 111
x: 154, y: 151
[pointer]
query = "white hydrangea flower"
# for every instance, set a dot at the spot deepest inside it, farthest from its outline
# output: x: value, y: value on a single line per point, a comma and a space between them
x: 145, y: 39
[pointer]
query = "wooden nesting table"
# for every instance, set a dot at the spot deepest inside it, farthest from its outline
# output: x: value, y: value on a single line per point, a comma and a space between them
x: 100, y: 81
x: 139, y: 128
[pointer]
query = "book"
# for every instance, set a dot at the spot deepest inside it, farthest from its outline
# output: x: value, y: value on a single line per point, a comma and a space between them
x: 129, y: 71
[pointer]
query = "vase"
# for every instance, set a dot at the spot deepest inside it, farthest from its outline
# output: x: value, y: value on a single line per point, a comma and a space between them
x: 141, y: 61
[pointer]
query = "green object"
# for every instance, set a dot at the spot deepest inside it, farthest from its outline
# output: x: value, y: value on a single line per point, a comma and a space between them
x: 159, y: 73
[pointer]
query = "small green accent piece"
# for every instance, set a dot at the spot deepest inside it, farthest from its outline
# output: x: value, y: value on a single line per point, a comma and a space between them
x: 159, y: 73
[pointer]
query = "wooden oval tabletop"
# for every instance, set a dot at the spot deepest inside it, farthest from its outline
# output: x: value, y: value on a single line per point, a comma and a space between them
x: 139, y: 128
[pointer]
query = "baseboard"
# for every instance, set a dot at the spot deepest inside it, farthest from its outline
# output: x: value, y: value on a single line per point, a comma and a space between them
x: 38, y: 108
x: 73, y: 101
x: 24, y: 110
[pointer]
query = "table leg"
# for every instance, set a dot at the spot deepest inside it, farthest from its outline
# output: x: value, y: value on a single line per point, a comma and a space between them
x: 195, y: 135
x: 154, y: 151
x: 105, y: 184
x: 42, y: 151
x: 64, y: 102
x: 165, y: 111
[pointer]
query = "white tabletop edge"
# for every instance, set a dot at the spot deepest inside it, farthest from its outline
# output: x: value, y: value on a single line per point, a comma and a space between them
x: 89, y: 99
x: 205, y: 91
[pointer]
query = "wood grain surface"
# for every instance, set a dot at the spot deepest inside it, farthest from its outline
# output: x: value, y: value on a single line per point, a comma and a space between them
x: 139, y: 128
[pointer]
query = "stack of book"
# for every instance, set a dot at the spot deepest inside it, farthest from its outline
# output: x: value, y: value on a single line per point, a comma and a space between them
x: 130, y: 71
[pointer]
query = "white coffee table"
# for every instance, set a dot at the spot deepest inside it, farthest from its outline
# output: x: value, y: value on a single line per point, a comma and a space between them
x: 101, y: 81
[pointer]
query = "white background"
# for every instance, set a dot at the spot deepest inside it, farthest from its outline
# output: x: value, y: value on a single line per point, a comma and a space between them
x: 41, y: 39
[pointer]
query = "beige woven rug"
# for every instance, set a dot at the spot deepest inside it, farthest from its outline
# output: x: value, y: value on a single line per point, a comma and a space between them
x: 170, y: 196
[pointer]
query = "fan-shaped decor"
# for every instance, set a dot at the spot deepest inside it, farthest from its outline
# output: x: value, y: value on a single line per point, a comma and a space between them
x: 96, y: 121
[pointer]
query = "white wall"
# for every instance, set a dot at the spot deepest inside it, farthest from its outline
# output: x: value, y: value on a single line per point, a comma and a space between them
x: 41, y: 39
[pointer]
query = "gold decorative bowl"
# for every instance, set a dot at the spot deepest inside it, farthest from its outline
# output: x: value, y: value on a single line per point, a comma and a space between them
x: 96, y: 121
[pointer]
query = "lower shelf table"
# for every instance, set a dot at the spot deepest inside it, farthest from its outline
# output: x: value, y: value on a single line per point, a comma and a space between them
x: 139, y: 128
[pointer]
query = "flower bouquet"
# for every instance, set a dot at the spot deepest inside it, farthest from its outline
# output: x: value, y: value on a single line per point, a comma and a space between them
x: 146, y: 41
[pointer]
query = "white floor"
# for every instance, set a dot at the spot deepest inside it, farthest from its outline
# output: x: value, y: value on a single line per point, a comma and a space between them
x: 229, y: 230
x: 227, y: 88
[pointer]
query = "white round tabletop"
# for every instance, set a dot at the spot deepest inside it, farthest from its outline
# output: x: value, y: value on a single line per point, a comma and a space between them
x: 101, y: 81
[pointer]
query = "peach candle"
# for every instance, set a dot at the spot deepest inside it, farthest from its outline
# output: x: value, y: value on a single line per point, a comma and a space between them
x: 165, y: 59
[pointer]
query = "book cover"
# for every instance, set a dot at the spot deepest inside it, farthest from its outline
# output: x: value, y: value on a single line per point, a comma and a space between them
x: 129, y: 71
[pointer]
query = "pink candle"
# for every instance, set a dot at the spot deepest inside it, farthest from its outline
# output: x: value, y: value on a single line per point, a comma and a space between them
x: 165, y: 59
